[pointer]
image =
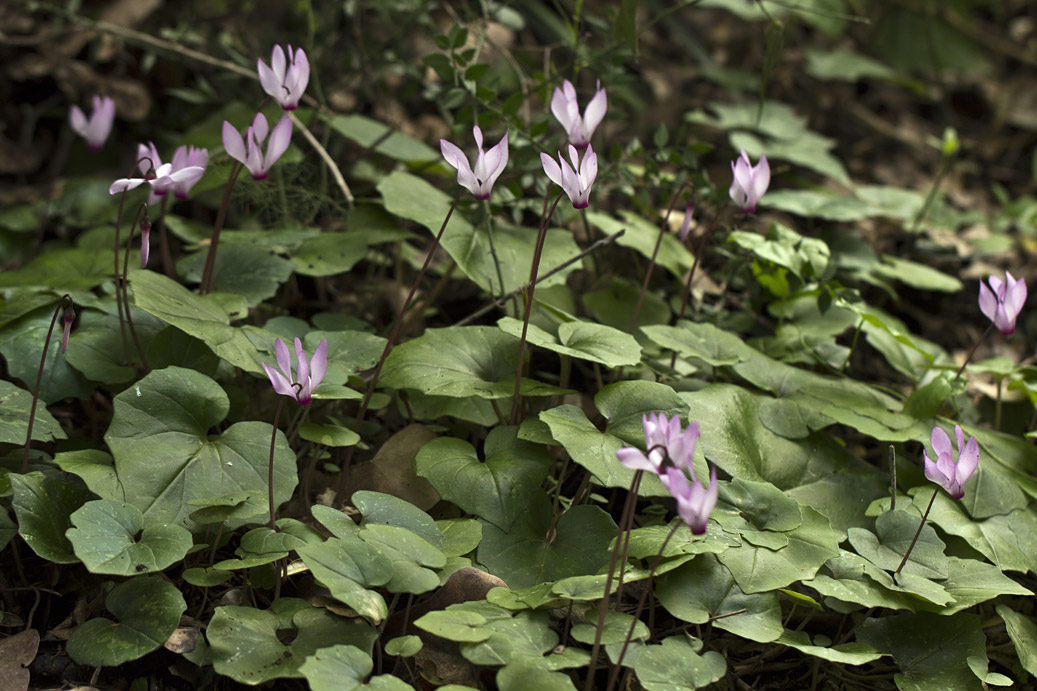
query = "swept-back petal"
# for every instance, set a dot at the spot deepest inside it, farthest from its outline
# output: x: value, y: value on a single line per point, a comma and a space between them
x: 233, y: 143
x: 269, y: 80
x: 280, y: 138
x: 319, y: 364
x: 77, y: 120
x: 554, y: 173
x: 941, y: 442
x: 277, y: 380
x: 284, y: 359
x: 303, y: 373
x: 987, y: 301
x: 125, y: 184
x: 595, y: 112
x: 968, y: 461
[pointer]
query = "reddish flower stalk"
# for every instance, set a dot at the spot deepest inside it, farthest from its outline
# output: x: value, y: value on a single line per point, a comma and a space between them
x: 69, y: 317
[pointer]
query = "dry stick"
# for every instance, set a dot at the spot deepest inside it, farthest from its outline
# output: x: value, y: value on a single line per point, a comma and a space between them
x: 603, y: 607
x: 691, y: 275
x: 499, y: 302
x: 537, y: 251
x: 125, y: 282
x: 917, y: 532
x: 343, y: 472
x: 210, y: 259
x: 651, y: 262
x: 39, y: 381
x: 972, y: 351
x: 324, y: 156
x: 640, y: 607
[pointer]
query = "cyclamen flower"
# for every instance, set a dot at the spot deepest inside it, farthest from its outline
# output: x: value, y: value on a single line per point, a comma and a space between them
x: 96, y: 129
x: 667, y: 445
x: 567, y: 110
x: 309, y: 376
x: 576, y: 184
x: 187, y: 157
x: 67, y: 319
x: 944, y: 471
x: 749, y: 182
x: 162, y: 178
x: 282, y: 81
x: 694, y: 502
x: 148, y: 160
x: 488, y: 164
x: 689, y: 212
x: 1002, y: 304
x: 253, y: 158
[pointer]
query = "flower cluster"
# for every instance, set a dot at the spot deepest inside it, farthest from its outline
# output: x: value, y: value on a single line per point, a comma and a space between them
x: 670, y: 451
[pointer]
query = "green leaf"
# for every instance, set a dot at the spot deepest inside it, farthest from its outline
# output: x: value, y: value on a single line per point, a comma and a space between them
x: 147, y: 610
x: 410, y: 555
x: 63, y: 271
x: 240, y: 269
x: 614, y: 630
x: 581, y: 340
x: 704, y: 588
x: 460, y: 535
x: 347, y: 567
x: 845, y: 654
x: 498, y: 489
x: 412, y: 198
x: 766, y: 506
x: 916, y: 275
x: 840, y: 64
x: 523, y: 556
x: 21, y: 344
x: 403, y: 646
x: 198, y: 316
x: 524, y: 635
x: 1023, y: 633
x: 165, y: 456
x: 14, y: 417
x: 818, y: 204
x: 328, y: 435
x: 104, y: 538
x: 385, y: 509
x: 625, y: 404
x: 641, y: 236
x: 245, y: 646
x: 344, y: 668
x: 614, y: 305
x: 8, y: 529
x: 676, y: 665
x: 367, y: 132
x: 453, y: 624
x: 970, y: 582
x: 887, y: 546
x: 460, y: 361
x: 932, y: 651
x: 758, y: 569
x: 329, y: 254
x: 42, y: 505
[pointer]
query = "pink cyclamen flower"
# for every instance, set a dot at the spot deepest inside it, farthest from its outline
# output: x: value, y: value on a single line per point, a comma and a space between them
x: 1002, y: 304
x: 488, y: 164
x: 576, y: 184
x: 689, y: 212
x: 666, y: 443
x: 309, y: 376
x: 944, y: 471
x: 567, y: 110
x: 283, y: 81
x: 749, y: 182
x: 67, y: 319
x: 187, y: 157
x: 258, y: 164
x: 148, y: 161
x: 694, y: 502
x: 96, y: 129
x: 163, y: 178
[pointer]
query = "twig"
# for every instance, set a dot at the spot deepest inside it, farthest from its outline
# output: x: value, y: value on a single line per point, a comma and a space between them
x: 326, y: 157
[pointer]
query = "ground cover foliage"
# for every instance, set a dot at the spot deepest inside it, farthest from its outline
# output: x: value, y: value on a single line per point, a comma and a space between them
x: 429, y: 532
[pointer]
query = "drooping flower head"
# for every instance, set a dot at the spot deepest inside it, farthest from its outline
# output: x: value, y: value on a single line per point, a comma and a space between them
x: 694, y: 502
x: 309, y: 376
x: 285, y: 80
x: 749, y: 182
x: 944, y: 471
x: 148, y: 162
x: 145, y: 240
x: 567, y: 110
x: 488, y: 164
x: 667, y: 445
x: 253, y: 158
x: 162, y: 179
x: 67, y: 319
x: 96, y: 129
x: 1002, y: 301
x: 576, y: 184
x: 689, y: 213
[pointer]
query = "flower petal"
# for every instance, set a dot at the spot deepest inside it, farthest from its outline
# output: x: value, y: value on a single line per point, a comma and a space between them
x: 233, y: 143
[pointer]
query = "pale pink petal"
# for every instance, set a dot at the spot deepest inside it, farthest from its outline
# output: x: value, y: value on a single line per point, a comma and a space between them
x: 284, y: 360
x: 77, y: 119
x: 941, y: 442
x: 269, y: 81
x: 280, y: 138
x: 595, y: 112
x: 125, y: 184
x: 319, y: 364
x: 278, y: 63
x: 987, y: 301
x: 277, y: 380
x: 968, y: 461
x: 233, y: 143
x: 554, y: 173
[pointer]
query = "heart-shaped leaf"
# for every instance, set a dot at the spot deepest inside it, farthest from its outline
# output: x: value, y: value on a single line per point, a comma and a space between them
x: 104, y: 538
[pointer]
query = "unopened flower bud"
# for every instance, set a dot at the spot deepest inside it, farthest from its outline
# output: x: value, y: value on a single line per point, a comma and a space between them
x: 68, y: 318
x: 145, y: 240
x: 689, y: 211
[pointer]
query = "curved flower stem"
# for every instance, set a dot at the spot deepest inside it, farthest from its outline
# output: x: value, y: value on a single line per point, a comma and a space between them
x: 125, y: 281
x: 39, y: 380
x: 628, y: 510
x: 115, y: 277
x: 972, y: 351
x: 691, y: 275
x: 655, y: 254
x: 210, y: 259
x: 640, y: 607
x: 628, y: 525
x: 917, y: 532
x: 344, y: 470
x: 270, y: 469
x: 167, y: 256
x: 493, y: 252
x: 545, y: 221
